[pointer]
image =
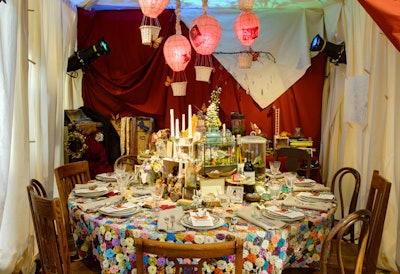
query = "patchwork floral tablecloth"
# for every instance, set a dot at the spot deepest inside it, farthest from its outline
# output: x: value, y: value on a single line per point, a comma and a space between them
x: 111, y: 240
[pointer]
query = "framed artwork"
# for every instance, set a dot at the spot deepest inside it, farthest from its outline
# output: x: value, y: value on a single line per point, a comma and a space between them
x: 235, y: 193
x: 212, y: 186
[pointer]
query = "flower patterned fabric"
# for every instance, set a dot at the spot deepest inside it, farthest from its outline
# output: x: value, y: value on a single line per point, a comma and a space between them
x: 111, y: 241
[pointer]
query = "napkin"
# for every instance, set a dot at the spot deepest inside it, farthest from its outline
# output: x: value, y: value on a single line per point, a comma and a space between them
x: 93, y: 206
x: 201, y: 218
x: 168, y: 220
x: 292, y: 201
x: 87, y: 190
x: 323, y: 197
x: 315, y: 188
x: 254, y: 216
x: 118, y: 208
x: 292, y: 214
x: 91, y: 184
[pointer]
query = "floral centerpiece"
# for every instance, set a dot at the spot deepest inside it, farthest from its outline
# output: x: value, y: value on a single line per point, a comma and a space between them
x: 212, y: 115
x: 151, y: 170
x: 159, y: 139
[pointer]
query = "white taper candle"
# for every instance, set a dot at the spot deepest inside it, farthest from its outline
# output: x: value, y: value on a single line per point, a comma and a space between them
x: 190, y: 126
x: 171, y: 122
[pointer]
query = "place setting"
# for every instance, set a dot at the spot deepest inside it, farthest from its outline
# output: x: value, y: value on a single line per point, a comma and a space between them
x: 201, y: 219
x: 122, y: 208
x: 283, y: 214
x: 92, y: 191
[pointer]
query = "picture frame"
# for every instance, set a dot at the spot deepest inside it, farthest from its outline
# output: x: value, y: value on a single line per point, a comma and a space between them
x: 212, y: 186
x: 235, y: 193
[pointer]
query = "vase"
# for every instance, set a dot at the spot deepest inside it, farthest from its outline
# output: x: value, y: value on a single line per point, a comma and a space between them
x: 213, y: 135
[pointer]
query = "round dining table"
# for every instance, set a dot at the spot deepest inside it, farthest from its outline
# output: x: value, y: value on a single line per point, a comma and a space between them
x: 111, y: 239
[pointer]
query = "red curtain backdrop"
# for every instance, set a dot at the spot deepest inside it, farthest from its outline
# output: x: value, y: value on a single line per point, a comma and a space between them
x: 386, y: 14
x: 130, y: 81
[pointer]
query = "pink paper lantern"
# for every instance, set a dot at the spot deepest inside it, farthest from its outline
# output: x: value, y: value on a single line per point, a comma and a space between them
x: 153, y: 8
x: 177, y: 52
x: 247, y: 26
x: 205, y: 33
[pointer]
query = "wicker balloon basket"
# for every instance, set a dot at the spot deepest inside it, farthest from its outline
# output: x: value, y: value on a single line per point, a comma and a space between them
x: 149, y: 33
x: 203, y: 73
x: 179, y: 88
x: 245, y: 60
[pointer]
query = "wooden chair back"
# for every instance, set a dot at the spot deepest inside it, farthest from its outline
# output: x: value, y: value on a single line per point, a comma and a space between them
x: 331, y: 246
x: 173, y: 251
x: 346, y: 175
x: 38, y: 188
x: 50, y: 233
x: 296, y: 157
x: 377, y: 203
x: 129, y: 160
x: 67, y: 176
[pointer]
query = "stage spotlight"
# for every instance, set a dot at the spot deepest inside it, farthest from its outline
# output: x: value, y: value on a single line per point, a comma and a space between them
x: 82, y: 58
x: 337, y: 53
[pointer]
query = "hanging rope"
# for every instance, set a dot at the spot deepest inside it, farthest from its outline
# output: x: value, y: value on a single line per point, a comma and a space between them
x: 205, y: 6
x: 178, y: 17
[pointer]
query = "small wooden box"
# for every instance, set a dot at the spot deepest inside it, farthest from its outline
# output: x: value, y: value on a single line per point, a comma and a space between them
x: 280, y: 142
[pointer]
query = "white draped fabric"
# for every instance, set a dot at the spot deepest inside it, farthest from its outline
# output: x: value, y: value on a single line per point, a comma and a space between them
x: 31, y: 145
x: 368, y: 141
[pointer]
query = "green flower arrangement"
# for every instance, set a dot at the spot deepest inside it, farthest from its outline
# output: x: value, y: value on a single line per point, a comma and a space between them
x: 212, y: 115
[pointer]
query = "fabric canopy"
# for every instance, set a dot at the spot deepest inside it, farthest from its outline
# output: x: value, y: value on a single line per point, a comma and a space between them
x: 130, y: 80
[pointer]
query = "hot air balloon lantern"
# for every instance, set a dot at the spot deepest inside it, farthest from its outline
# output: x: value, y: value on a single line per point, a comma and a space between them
x: 247, y: 27
x: 177, y: 54
x: 150, y: 26
x: 204, y: 35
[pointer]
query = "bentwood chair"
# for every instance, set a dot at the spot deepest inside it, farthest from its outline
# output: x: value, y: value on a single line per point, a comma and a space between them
x: 296, y: 159
x: 377, y: 202
x: 51, y: 237
x: 332, y: 248
x: 173, y: 251
x: 67, y: 176
x: 129, y: 160
x: 346, y: 176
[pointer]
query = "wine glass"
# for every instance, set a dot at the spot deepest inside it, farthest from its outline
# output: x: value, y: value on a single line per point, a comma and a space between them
x: 158, y: 193
x: 122, y: 180
x: 119, y: 169
x: 274, y: 190
x: 224, y: 201
x: 290, y: 177
x: 274, y: 167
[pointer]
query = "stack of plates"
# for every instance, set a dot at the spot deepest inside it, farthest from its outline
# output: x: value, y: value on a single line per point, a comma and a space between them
x: 305, y: 183
x: 187, y: 222
x: 106, y: 177
x: 120, y: 210
x: 285, y: 215
x: 315, y: 197
x: 92, y: 192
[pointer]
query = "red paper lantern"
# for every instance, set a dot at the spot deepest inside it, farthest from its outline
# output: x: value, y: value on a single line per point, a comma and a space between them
x: 247, y: 26
x: 177, y: 52
x: 153, y: 8
x: 205, y: 33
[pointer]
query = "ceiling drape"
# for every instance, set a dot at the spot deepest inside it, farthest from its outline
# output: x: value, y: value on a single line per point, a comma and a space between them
x: 130, y: 81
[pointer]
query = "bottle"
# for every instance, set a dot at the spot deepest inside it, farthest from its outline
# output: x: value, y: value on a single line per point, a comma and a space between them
x: 238, y: 149
x: 249, y: 173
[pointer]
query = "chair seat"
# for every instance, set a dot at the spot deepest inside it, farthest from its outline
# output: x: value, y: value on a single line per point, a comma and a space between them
x: 85, y: 266
x: 349, y: 256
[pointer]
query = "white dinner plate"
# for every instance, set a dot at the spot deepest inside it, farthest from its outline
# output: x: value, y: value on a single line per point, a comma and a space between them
x: 91, y: 193
x: 106, y: 177
x: 187, y: 222
x: 120, y: 213
x: 286, y: 215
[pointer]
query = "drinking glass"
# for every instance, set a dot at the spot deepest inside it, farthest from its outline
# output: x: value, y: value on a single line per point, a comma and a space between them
x: 290, y: 178
x: 119, y: 169
x: 122, y: 180
x: 158, y: 193
x: 274, y: 190
x: 224, y: 200
x: 274, y: 167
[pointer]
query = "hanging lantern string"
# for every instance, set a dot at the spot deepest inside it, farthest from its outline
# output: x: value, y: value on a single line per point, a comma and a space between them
x: 205, y: 6
x: 266, y: 53
x: 178, y: 17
